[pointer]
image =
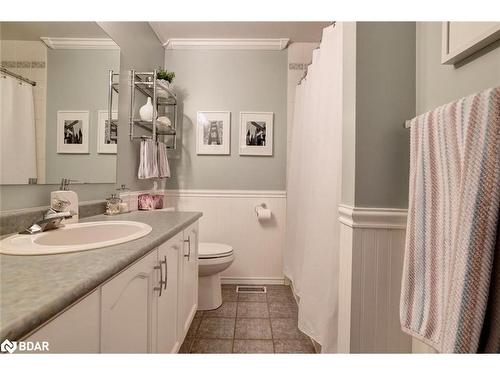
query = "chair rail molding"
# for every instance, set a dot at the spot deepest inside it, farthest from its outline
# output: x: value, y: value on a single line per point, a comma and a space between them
x: 375, y: 218
x: 226, y: 193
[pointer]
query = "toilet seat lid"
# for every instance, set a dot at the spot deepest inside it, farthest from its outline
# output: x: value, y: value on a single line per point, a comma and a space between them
x: 213, y: 250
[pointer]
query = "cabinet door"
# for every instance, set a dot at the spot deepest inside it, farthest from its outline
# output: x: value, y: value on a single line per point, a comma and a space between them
x: 167, y: 339
x: 128, y: 308
x: 76, y: 330
x: 188, y: 299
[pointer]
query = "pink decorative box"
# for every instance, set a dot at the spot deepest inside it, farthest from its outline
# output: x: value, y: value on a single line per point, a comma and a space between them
x: 150, y: 201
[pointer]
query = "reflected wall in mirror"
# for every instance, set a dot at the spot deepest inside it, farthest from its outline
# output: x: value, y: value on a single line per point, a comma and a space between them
x: 54, y: 103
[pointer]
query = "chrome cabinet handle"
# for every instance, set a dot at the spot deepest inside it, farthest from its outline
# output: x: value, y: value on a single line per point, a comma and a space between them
x: 189, y: 248
x: 161, y: 278
x: 164, y: 261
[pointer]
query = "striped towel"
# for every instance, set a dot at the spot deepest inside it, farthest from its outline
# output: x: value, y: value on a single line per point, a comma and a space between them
x: 452, y: 222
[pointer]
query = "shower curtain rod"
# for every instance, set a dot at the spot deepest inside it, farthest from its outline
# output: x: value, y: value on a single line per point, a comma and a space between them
x: 406, y: 124
x: 21, y: 78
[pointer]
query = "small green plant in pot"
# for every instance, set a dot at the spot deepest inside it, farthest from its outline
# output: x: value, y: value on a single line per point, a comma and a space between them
x: 165, y: 75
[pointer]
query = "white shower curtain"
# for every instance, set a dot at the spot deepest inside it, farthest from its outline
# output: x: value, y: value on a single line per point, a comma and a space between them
x: 17, y: 132
x: 313, y: 192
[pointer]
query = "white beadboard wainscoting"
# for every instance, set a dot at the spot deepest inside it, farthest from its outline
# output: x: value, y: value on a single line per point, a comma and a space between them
x: 372, y: 244
x: 229, y: 217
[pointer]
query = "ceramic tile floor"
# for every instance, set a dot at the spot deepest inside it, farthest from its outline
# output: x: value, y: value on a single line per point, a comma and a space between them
x: 249, y: 323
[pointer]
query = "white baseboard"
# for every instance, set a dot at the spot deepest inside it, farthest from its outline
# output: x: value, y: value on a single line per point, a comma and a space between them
x: 253, y: 280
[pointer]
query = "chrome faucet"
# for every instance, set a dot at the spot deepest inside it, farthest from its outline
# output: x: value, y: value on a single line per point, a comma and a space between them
x: 52, y: 218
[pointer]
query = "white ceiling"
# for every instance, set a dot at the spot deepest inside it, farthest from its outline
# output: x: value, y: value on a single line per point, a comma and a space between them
x: 35, y: 30
x: 295, y: 31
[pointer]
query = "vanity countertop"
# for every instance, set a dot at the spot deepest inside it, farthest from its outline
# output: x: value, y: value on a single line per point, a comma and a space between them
x: 35, y: 288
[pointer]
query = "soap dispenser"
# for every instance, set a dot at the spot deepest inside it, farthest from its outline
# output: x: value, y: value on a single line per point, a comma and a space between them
x: 68, y: 195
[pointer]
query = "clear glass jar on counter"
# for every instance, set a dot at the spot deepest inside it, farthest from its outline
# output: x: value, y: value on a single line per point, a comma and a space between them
x: 125, y: 197
x: 113, y: 205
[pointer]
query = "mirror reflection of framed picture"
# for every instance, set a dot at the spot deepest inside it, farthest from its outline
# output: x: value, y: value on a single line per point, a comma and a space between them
x: 73, y: 132
x: 213, y: 133
x: 107, y: 134
x: 256, y: 133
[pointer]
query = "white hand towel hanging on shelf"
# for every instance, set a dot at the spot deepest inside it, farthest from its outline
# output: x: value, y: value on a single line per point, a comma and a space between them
x: 148, y: 163
x: 163, y: 167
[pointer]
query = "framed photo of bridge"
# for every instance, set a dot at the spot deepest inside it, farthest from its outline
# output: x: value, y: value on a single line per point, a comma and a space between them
x: 213, y: 133
x: 256, y: 133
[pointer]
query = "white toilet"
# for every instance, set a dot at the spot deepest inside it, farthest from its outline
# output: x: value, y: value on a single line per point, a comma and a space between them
x: 213, y: 258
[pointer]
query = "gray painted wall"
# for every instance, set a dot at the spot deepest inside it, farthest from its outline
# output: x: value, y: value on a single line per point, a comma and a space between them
x: 234, y: 81
x: 141, y: 50
x: 440, y: 84
x: 348, y: 112
x: 398, y: 75
x: 78, y: 80
x: 385, y: 98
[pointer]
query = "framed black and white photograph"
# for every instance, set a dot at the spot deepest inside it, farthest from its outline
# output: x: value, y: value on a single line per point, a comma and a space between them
x: 256, y: 133
x: 213, y: 133
x: 107, y: 134
x: 73, y: 132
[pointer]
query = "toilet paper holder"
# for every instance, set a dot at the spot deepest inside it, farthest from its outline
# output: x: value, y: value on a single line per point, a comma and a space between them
x: 263, y: 213
x: 260, y: 206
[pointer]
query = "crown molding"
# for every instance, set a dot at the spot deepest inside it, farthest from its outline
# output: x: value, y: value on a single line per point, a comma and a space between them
x: 80, y: 43
x: 269, y: 44
x: 372, y: 218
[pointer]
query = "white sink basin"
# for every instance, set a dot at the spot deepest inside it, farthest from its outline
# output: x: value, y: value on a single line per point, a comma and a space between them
x: 74, y: 237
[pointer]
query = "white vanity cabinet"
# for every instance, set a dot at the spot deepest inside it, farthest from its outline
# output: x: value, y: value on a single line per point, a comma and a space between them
x: 140, y: 306
x: 188, y: 297
x: 146, y: 308
x: 127, y: 308
x: 169, y: 256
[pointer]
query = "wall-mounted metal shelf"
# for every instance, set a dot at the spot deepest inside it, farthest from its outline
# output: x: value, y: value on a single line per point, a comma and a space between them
x: 160, y: 130
x: 164, y: 100
x: 113, y: 87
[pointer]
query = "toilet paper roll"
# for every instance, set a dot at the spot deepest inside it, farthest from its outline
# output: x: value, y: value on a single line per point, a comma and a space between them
x: 263, y: 213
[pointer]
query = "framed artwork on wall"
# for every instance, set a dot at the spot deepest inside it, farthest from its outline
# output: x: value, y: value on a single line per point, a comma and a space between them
x: 73, y: 132
x: 256, y: 133
x: 462, y: 39
x: 213, y: 133
x: 107, y: 134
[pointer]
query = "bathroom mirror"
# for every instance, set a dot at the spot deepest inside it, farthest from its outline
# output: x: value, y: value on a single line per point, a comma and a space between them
x: 54, y: 103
